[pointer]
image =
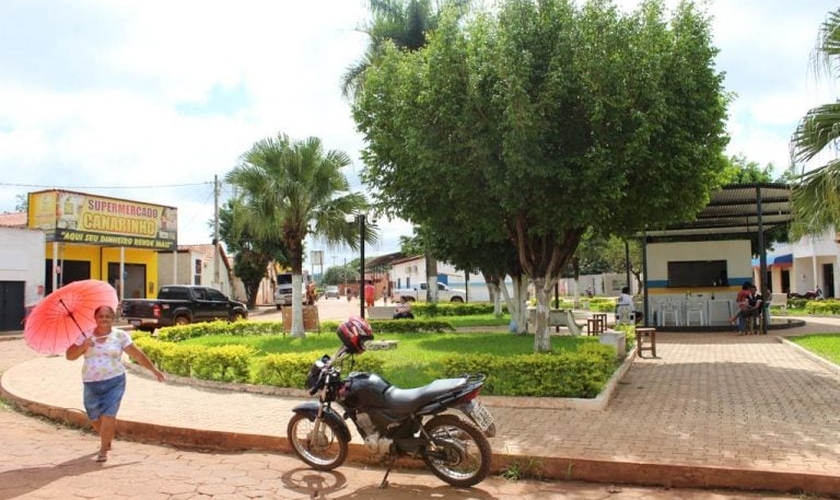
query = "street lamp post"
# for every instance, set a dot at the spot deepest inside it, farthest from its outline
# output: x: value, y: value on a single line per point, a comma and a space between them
x: 362, y: 265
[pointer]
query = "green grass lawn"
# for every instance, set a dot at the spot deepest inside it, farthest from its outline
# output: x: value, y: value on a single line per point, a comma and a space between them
x: 825, y: 345
x: 416, y: 359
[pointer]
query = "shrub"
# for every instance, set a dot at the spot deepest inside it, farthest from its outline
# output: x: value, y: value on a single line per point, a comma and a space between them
x: 580, y: 374
x: 229, y: 363
x: 290, y: 370
x: 398, y: 326
x: 427, y: 310
x: 237, y: 328
x: 823, y: 307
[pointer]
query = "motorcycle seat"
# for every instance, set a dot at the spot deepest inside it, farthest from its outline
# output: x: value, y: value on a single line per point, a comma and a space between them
x: 405, y: 401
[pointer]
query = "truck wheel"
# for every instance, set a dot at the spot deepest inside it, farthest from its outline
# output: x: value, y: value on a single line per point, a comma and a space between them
x: 456, y: 299
x: 182, y: 320
x: 237, y: 316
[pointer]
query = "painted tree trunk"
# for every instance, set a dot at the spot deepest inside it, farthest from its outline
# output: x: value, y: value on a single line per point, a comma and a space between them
x: 542, y: 339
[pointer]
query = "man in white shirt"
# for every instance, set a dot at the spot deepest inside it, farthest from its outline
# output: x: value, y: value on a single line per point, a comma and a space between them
x: 626, y: 300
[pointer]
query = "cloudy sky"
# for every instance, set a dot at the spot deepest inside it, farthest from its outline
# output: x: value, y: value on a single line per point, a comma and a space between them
x: 149, y: 100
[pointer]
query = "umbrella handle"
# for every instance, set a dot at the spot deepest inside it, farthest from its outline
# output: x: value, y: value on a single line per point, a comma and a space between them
x: 70, y: 313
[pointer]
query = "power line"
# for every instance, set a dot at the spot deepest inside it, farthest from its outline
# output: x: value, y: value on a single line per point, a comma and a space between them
x: 155, y: 186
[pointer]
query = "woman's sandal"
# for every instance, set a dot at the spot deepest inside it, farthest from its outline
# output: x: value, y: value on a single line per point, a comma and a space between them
x: 101, y: 457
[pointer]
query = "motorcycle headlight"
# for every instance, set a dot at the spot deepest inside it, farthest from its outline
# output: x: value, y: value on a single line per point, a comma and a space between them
x: 314, y: 375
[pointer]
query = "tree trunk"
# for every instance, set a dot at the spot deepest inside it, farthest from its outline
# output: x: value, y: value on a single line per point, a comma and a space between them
x: 516, y: 305
x: 493, y: 289
x: 297, y: 297
x: 542, y: 339
x: 431, y: 279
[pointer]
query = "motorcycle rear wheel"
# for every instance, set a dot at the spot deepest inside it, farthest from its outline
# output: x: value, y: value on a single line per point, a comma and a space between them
x: 460, y: 454
x: 322, y: 449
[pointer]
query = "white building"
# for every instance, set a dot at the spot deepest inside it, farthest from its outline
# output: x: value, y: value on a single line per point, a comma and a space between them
x: 801, y: 266
x: 411, y: 271
x: 198, y: 265
x: 22, y: 257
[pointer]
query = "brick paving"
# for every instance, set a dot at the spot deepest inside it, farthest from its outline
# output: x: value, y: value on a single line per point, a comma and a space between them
x: 713, y: 409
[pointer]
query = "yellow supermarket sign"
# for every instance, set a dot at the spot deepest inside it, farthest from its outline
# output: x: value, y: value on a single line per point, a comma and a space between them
x: 67, y: 216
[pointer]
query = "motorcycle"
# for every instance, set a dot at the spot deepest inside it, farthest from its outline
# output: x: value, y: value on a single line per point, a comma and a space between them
x: 394, y: 422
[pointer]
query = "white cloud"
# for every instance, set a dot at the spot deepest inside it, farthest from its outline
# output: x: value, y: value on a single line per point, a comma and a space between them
x: 122, y: 94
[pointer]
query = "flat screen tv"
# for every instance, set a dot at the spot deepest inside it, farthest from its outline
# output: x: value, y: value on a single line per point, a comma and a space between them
x: 696, y: 273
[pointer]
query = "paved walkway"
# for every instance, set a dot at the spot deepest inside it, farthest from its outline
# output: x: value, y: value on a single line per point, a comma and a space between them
x: 713, y: 410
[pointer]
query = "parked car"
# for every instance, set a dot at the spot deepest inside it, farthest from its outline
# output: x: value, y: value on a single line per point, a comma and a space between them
x: 181, y: 305
x: 418, y: 292
x: 331, y: 292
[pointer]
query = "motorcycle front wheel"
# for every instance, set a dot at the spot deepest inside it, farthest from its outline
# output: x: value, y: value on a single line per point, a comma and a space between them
x: 459, y: 454
x: 317, y: 443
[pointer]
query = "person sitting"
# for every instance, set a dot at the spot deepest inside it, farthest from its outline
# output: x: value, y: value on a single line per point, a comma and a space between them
x: 403, y: 309
x: 626, y: 300
x: 742, y: 299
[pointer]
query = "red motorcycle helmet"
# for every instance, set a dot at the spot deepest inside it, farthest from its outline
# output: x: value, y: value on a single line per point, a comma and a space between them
x: 354, y: 333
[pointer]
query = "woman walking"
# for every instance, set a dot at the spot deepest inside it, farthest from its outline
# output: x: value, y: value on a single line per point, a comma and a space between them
x: 103, y: 373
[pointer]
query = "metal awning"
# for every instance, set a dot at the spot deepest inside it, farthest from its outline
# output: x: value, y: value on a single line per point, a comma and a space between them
x: 734, y: 211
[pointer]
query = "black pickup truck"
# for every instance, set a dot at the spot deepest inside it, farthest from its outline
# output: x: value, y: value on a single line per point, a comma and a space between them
x: 181, y: 305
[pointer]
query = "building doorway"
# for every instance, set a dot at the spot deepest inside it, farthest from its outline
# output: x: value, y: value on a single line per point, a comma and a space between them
x: 786, y: 280
x: 68, y: 271
x: 828, y: 280
x: 12, y: 296
x: 134, y: 279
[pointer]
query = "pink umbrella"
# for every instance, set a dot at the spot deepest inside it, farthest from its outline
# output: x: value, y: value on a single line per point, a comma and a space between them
x: 58, y: 319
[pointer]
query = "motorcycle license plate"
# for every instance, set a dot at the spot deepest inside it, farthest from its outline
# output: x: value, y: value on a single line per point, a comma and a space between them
x: 481, y: 415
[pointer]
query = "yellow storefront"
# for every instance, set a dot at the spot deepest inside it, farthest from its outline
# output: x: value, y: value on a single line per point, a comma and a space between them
x: 103, y: 238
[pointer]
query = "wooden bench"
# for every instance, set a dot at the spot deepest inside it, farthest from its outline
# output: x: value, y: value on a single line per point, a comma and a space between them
x: 380, y: 312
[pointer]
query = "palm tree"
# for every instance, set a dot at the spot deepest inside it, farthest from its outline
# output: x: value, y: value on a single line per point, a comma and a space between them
x: 816, y: 193
x: 295, y: 189
x: 404, y: 23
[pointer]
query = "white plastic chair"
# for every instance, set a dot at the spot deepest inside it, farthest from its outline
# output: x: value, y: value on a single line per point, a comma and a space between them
x: 695, y: 309
x: 624, y: 315
x: 669, y: 309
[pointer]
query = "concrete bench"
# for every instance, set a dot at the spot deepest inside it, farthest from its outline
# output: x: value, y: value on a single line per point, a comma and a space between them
x: 558, y: 318
x: 380, y: 312
x: 382, y: 345
x: 779, y: 300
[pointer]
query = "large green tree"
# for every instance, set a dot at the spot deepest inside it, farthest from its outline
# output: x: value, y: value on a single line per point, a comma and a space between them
x: 816, y: 193
x: 292, y: 189
x: 542, y: 119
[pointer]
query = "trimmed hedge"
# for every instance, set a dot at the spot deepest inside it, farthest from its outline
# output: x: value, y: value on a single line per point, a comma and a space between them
x: 582, y: 374
x: 398, y: 326
x: 430, y: 310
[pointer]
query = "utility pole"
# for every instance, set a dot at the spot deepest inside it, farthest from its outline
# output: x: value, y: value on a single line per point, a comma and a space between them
x: 216, y: 257
x: 362, y: 266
